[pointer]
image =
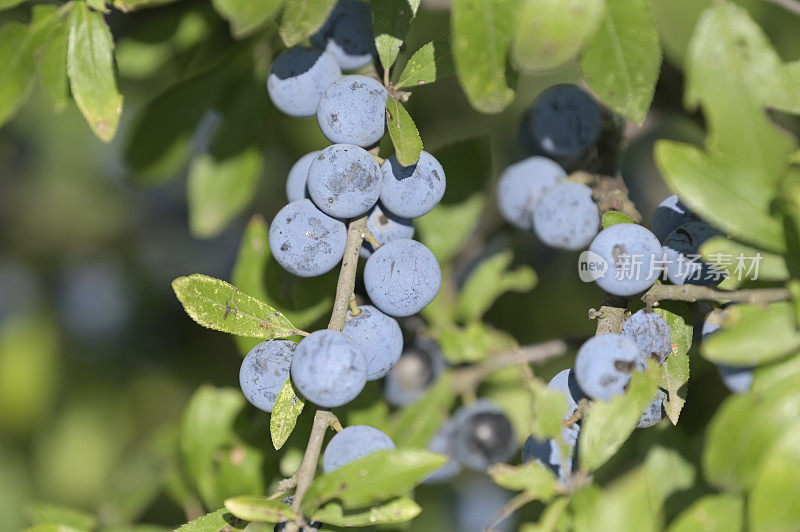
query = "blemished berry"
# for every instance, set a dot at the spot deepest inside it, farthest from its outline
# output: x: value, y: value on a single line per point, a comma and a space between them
x: 347, y: 35
x: 297, y: 79
x: 682, y: 255
x: 563, y: 124
x: 352, y: 110
x: 329, y: 368
x: 297, y: 181
x: 654, y: 412
x: 651, y: 333
x: 379, y: 336
x: 522, y: 184
x: 443, y: 442
x: 670, y: 214
x: 738, y: 379
x: 417, y: 369
x: 306, y: 241
x: 605, y: 363
x: 353, y: 443
x: 344, y: 181
x: 411, y: 191
x: 633, y: 255
x: 264, y: 370
x: 566, y: 383
x: 402, y: 277
x: 566, y: 216
x: 483, y: 435
x: 385, y: 227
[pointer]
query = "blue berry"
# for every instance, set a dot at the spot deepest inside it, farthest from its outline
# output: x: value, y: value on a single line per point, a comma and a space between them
x: 416, y: 371
x: 385, y: 227
x: 344, y: 181
x: 633, y: 255
x: 681, y: 255
x: 297, y: 79
x: 443, y: 442
x: 402, y: 277
x: 264, y: 370
x: 347, y: 35
x: 306, y: 241
x: 329, y: 368
x: 566, y: 216
x: 483, y: 435
x: 353, y: 443
x: 379, y: 337
x: 296, y: 183
x: 566, y: 383
x: 522, y: 184
x: 605, y: 363
x: 563, y: 124
x: 654, y: 412
x: 411, y: 191
x: 651, y: 333
x: 352, y: 110
x: 548, y: 452
x: 670, y: 214
x: 738, y: 379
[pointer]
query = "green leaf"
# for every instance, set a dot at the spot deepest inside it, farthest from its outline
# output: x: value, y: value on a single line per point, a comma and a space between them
x: 130, y: 5
x: 90, y: 66
x: 752, y: 335
x: 7, y: 4
x: 675, y: 370
x: 246, y: 16
x: 772, y: 505
x: 488, y: 281
x: 615, y: 217
x: 549, y: 409
x: 472, y: 343
x: 552, y: 517
x: 391, y: 20
x: 724, y: 253
x: 415, y: 425
x: 220, y: 306
x: 432, y: 62
x: 482, y: 33
x: 44, y: 513
x: 53, y: 67
x: 609, y: 423
x: 551, y: 32
x: 375, y: 477
x: 301, y: 18
x: 397, y: 511
x: 403, y: 132
x: 49, y: 527
x: 622, y: 61
x: 533, y: 478
x: 288, y: 406
x: 215, y: 522
x: 259, y: 509
x: 711, y: 513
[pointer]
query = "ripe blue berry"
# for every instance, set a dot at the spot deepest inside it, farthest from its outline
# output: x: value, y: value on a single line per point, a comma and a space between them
x: 297, y: 79
x: 411, y: 191
x: 379, y: 337
x: 385, y: 227
x: 651, y: 333
x: 347, y: 35
x: 548, y: 452
x: 418, y: 368
x: 264, y: 370
x: 737, y: 379
x: 296, y: 183
x: 352, y: 110
x: 484, y: 435
x: 566, y: 217
x: 353, y: 443
x: 670, y: 214
x: 402, y: 277
x: 344, y: 181
x: 654, y: 412
x: 522, y: 184
x: 605, y: 363
x: 563, y: 124
x: 681, y: 255
x: 633, y: 255
x: 306, y: 241
x: 329, y: 368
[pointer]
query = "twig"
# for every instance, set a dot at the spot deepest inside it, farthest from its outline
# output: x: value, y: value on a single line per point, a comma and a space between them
x: 288, y: 483
x: 691, y: 293
x: 354, y: 310
x: 611, y: 314
x: 512, y: 506
x: 347, y: 275
x: 789, y: 5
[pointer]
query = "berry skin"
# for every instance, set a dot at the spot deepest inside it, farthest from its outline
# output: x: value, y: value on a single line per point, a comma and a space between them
x: 654, y: 412
x: 670, y: 214
x: 604, y: 365
x: 306, y: 241
x: 681, y: 250
x: 418, y: 368
x: 548, y: 452
x: 443, y: 442
x: 566, y: 217
x: 297, y: 79
x: 402, y: 277
x: 411, y: 191
x: 344, y: 181
x: 379, y: 337
x: 329, y: 368
x: 563, y: 124
x: 483, y: 435
x: 353, y: 443
x: 651, y: 333
x: 737, y: 379
x: 352, y: 110
x: 264, y: 370
x: 385, y: 227
x: 566, y: 383
x: 296, y: 183
x: 347, y: 35
x: 633, y: 255
x: 521, y: 185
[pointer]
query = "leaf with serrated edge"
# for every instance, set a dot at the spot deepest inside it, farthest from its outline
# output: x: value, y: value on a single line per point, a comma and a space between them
x: 391, y: 20
x: 288, y: 406
x: 259, y: 509
x: 397, y: 511
x: 533, y: 478
x: 675, y: 370
x: 301, y: 18
x: 403, y: 132
x: 432, y: 62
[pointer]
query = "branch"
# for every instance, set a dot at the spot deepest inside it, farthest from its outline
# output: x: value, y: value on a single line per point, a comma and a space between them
x: 791, y: 6
x: 347, y: 275
x: 611, y: 315
x: 691, y: 293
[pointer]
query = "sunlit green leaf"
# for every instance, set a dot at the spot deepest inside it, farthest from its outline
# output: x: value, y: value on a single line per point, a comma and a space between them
x: 533, y: 478
x: 246, y: 16
x: 288, y: 406
x: 432, y: 62
x: 214, y: 522
x: 301, y: 18
x: 391, y: 20
x: 403, y: 132
x: 397, y: 511
x: 711, y: 513
x: 415, y: 425
x: 615, y: 217
x: 771, y: 506
x: 488, y: 281
x: 260, y: 509
x: 724, y: 253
